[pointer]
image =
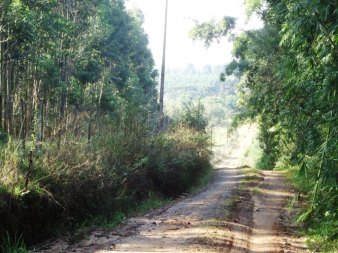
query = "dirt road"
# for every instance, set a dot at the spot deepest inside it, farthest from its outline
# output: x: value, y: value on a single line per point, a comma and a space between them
x: 228, y: 216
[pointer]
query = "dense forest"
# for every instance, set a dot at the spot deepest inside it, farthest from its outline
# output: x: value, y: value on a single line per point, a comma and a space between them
x: 80, y: 141
x: 288, y: 85
x: 63, y: 62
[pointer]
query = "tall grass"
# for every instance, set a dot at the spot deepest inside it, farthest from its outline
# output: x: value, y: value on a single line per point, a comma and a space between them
x: 15, y: 245
x: 321, y: 230
x: 10, y: 159
x: 55, y: 189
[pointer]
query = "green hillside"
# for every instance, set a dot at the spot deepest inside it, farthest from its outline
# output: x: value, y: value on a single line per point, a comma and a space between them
x: 192, y: 84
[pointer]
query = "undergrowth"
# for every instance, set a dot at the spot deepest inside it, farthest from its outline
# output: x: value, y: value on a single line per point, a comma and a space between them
x: 13, y: 244
x: 127, y: 168
x: 321, y: 230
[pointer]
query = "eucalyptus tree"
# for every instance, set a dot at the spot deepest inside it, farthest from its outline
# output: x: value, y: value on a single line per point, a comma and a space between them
x: 67, y: 62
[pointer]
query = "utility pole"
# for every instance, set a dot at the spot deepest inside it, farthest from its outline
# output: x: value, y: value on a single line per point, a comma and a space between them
x: 161, y: 125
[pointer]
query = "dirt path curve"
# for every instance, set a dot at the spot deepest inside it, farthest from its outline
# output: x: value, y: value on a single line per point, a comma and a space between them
x: 203, y: 222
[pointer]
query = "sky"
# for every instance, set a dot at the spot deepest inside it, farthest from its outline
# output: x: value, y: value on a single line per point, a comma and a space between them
x: 181, y: 50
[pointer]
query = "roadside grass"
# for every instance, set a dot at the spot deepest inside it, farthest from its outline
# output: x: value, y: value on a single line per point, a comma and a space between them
x: 249, y: 162
x: 222, y: 143
x: 249, y: 183
x: 256, y: 191
x: 82, y: 190
x: 252, y: 174
x: 153, y: 202
x: 323, y: 237
x: 252, y: 177
x: 247, y: 187
x: 13, y: 245
x: 321, y: 233
x: 203, y: 181
x: 117, y: 218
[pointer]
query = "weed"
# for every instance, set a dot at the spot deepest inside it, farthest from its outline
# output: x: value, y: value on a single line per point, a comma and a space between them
x: 251, y: 178
x: 202, y: 181
x: 15, y: 245
x: 256, y: 191
x: 321, y: 231
x: 230, y: 204
x: 152, y: 202
x: 79, y: 234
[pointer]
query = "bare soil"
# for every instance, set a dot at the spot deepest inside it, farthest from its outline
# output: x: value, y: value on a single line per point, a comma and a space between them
x: 227, y: 216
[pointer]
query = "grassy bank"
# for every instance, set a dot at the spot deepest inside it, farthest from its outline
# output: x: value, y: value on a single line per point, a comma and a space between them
x: 47, y: 193
x: 321, y: 230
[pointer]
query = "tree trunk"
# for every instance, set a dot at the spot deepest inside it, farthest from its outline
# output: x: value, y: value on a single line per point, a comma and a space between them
x: 89, y: 133
x: 1, y: 78
x: 22, y: 127
x: 38, y: 138
x: 40, y: 107
x: 9, y: 106
x: 63, y: 99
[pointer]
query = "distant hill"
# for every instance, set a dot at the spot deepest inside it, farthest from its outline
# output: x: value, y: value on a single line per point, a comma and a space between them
x: 191, y: 84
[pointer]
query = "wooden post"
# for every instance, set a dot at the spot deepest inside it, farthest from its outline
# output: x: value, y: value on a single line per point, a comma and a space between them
x: 163, y: 68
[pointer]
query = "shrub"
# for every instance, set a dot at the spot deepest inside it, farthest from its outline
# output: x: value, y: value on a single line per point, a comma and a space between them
x: 193, y: 116
x: 179, y: 158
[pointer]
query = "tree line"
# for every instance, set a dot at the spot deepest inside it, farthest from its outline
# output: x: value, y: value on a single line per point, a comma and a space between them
x: 66, y: 64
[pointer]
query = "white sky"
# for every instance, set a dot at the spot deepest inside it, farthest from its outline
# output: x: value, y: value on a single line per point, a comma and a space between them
x: 181, y: 50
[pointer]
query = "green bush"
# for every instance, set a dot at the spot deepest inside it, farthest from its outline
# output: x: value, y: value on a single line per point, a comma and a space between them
x: 193, y: 116
x: 179, y: 158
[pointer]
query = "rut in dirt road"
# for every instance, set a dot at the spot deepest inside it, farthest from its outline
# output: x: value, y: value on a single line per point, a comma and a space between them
x: 204, y: 222
x: 263, y: 221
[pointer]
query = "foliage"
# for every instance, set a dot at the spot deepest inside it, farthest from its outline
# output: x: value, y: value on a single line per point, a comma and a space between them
x: 15, y: 246
x: 64, y: 64
x: 192, y: 116
x: 180, y: 157
x: 252, y: 6
x: 289, y: 77
x: 324, y: 236
x: 288, y: 84
x: 212, y: 30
